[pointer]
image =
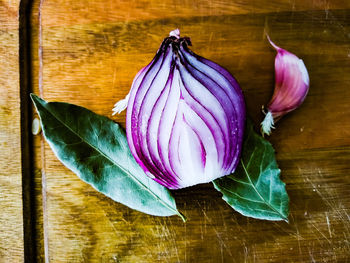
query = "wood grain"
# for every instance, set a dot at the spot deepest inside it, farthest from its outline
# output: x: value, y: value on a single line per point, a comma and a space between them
x: 11, y: 217
x: 90, y: 53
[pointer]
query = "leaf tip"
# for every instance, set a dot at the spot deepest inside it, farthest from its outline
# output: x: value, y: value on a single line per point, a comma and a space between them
x: 33, y: 96
x: 36, y: 99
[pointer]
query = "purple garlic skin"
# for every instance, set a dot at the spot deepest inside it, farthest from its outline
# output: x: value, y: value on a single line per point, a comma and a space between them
x: 185, y: 117
x: 291, y: 87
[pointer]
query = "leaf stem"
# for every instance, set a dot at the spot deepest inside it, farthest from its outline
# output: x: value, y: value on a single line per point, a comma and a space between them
x: 182, y: 216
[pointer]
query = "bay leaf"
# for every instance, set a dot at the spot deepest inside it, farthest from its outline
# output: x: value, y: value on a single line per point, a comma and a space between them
x: 95, y: 148
x: 255, y: 188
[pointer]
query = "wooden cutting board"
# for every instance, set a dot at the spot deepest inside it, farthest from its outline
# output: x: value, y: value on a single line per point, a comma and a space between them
x: 88, y: 52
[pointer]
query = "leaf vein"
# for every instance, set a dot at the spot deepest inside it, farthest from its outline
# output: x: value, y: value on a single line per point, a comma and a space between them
x: 262, y: 198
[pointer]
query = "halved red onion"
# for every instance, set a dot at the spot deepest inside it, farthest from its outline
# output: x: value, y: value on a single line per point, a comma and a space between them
x: 186, y: 117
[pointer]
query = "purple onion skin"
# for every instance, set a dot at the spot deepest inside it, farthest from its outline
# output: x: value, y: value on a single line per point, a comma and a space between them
x: 185, y: 118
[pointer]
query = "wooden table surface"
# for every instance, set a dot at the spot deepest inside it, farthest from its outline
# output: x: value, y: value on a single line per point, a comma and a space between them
x: 88, y: 52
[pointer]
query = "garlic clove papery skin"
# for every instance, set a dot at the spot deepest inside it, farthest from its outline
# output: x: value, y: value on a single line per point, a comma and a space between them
x: 185, y: 117
x: 291, y: 87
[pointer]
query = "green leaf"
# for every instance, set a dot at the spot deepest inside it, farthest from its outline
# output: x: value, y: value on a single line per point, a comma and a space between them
x: 95, y: 148
x: 255, y: 188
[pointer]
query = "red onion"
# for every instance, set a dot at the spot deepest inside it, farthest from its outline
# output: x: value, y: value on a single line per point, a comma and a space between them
x: 291, y: 87
x: 186, y: 116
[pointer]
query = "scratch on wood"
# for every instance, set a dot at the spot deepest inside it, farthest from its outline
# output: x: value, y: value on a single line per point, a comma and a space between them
x: 336, y: 207
x: 173, y: 239
x: 245, y: 253
x: 210, y: 41
x: 222, y: 253
x: 204, y: 222
x: 201, y: 224
x: 328, y: 224
x: 221, y: 241
x: 108, y: 219
x: 114, y: 79
x: 326, y: 9
x: 328, y: 12
x: 321, y: 233
x: 298, y: 238
x: 311, y: 256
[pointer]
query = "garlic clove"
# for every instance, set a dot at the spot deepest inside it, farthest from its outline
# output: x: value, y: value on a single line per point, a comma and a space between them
x: 291, y: 87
